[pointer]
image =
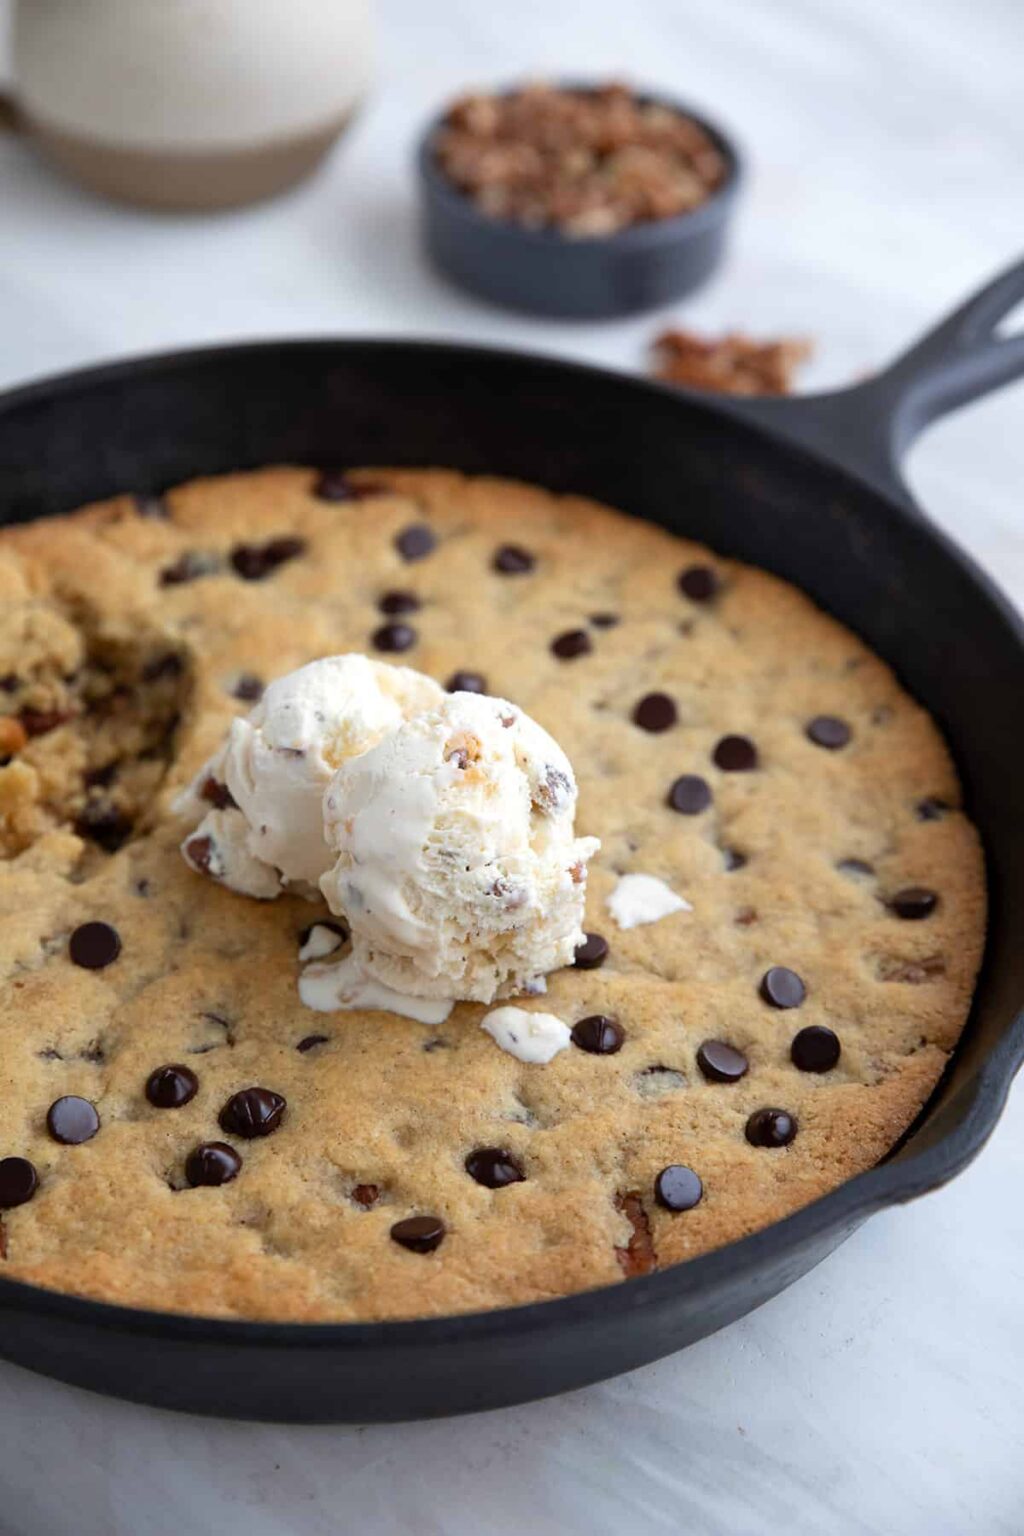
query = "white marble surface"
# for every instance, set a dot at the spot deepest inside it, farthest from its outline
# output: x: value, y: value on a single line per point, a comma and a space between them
x: 884, y: 1392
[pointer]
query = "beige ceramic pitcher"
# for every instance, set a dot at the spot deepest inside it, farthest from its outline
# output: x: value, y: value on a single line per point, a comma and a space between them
x: 188, y: 103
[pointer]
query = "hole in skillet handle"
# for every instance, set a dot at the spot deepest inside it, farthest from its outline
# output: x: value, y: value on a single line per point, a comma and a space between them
x: 544, y: 272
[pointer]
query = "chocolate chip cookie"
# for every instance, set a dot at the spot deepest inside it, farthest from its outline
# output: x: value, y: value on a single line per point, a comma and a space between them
x: 178, y: 1131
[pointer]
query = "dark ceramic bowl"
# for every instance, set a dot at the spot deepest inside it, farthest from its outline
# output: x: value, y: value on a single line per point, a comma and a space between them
x: 587, y: 278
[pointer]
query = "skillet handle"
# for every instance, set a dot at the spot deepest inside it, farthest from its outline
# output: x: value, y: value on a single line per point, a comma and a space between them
x: 867, y: 429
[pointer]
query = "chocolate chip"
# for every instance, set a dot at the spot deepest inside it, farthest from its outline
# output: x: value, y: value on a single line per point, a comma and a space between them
x: 188, y: 567
x: 735, y: 754
x: 699, y: 583
x: 333, y: 485
x: 591, y: 953
x: 398, y: 602
x: 598, y: 1035
x: 170, y: 664
x: 286, y: 548
x: 18, y: 1182
x: 309, y: 1041
x: 689, y: 795
x: 604, y: 620
x: 217, y: 794
x: 248, y: 687
x: 212, y: 1163
x: 420, y: 1234
x: 94, y: 945
x: 721, y: 1063
x: 913, y: 903
x: 494, y: 1167
x: 39, y: 722
x: 199, y: 852
x: 733, y: 859
x: 252, y: 1112
x: 10, y: 682
x: 366, y: 1195
x: 782, y: 988
x: 828, y: 731
x: 574, y: 642
x: 416, y: 541
x: 172, y: 1086
x: 771, y: 1128
x: 103, y: 825
x: 931, y: 809
x: 678, y: 1188
x: 152, y: 507
x: 394, y: 637
x: 72, y: 1120
x: 815, y: 1049
x: 855, y: 869
x: 655, y: 712
x: 466, y: 682
x: 254, y: 562
x: 513, y: 560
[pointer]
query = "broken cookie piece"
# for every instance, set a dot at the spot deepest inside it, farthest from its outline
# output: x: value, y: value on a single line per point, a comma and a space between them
x: 88, y: 722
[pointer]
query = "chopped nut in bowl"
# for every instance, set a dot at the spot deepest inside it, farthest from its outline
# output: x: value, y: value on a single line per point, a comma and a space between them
x: 575, y: 200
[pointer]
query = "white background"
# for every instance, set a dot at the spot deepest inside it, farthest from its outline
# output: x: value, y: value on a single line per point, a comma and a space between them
x: 885, y: 1391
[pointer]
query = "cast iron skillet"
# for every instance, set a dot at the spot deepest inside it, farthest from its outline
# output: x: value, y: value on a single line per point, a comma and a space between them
x: 808, y: 488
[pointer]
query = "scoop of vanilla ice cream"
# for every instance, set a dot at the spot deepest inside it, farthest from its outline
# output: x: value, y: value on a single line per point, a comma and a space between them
x: 219, y: 848
x: 267, y: 782
x: 458, y: 869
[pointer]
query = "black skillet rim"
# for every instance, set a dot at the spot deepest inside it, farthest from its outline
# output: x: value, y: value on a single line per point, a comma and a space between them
x: 900, y: 1178
x: 651, y: 233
